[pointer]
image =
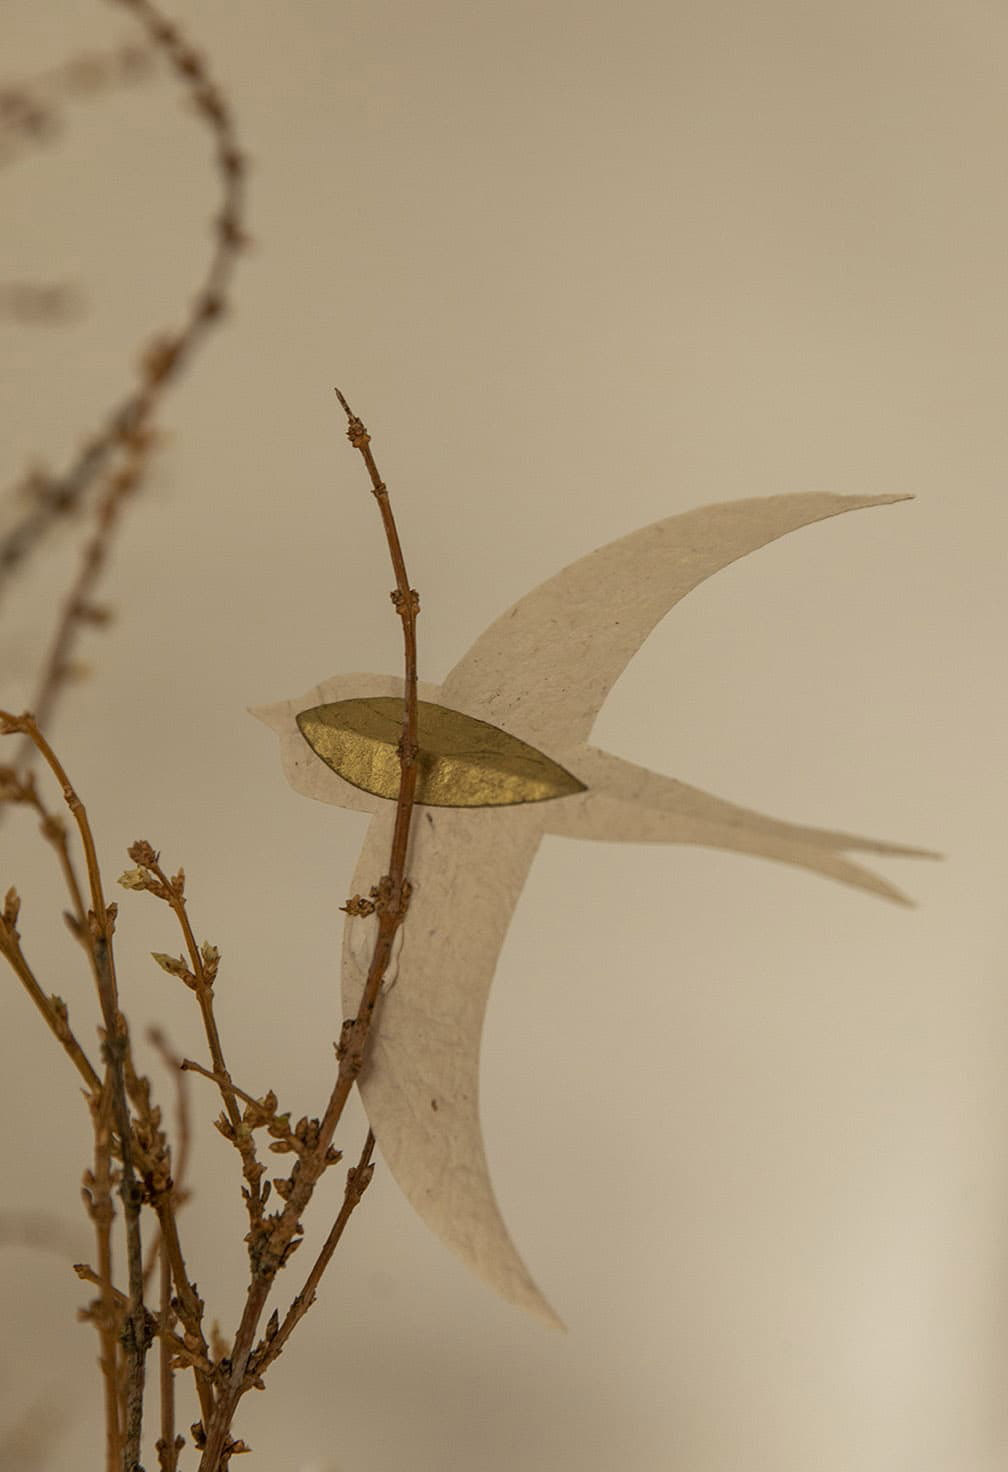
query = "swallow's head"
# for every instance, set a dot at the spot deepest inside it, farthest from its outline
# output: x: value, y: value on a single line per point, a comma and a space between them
x: 306, y: 772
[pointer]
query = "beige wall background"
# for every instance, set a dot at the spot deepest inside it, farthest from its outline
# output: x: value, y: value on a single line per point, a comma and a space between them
x: 579, y: 266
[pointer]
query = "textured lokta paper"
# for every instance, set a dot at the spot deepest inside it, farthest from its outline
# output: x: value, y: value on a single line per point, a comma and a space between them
x: 538, y: 676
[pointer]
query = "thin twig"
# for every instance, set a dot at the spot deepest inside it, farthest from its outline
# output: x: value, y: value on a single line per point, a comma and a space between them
x: 120, y: 451
x: 357, y: 1182
x: 154, y: 1163
x: 200, y: 977
x: 79, y: 608
x: 152, y: 877
x: 166, y: 1448
x: 53, y: 1009
x: 98, y: 1200
x: 21, y: 788
x: 131, y: 1191
x: 189, y: 1065
x: 58, y: 496
x: 183, y: 1136
x: 392, y: 892
x: 190, y: 1308
x: 175, y: 897
x: 101, y: 924
x: 26, y: 725
x: 127, y: 433
x: 183, y: 1111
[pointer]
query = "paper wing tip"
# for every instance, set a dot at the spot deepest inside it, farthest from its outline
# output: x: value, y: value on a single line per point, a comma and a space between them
x: 891, y: 892
x: 847, y: 502
x: 532, y: 1301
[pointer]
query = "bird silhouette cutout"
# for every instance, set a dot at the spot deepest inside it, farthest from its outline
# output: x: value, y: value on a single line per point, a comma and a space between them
x: 505, y: 758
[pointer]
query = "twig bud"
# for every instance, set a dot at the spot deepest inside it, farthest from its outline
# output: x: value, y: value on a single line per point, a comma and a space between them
x: 11, y: 909
x: 175, y: 966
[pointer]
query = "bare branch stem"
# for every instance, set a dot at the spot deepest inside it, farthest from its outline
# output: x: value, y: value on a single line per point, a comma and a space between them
x: 102, y: 1213
x: 101, y: 922
x: 55, y: 1019
x: 190, y: 1305
x: 61, y: 495
x: 167, y: 1450
x: 204, y: 993
x: 393, y: 898
x: 189, y: 1065
x: 358, y: 1180
x: 22, y: 788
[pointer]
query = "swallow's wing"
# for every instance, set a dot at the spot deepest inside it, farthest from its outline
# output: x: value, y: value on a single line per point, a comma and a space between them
x: 544, y: 668
x: 626, y: 803
x: 420, y: 1086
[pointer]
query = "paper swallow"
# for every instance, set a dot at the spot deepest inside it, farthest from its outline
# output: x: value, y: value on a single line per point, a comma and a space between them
x: 505, y: 758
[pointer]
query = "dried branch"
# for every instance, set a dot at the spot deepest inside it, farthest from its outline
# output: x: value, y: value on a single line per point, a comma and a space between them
x: 60, y: 495
x: 277, y: 1239
x: 21, y: 788
x: 183, y: 1135
x: 167, y: 1446
x: 127, y: 435
x: 79, y: 607
x: 108, y: 1318
x: 202, y: 959
x: 53, y: 1009
x: 357, y: 1181
x: 199, y: 975
x: 101, y: 925
x: 127, y: 1124
x: 259, y: 1112
x: 26, y: 725
x: 153, y: 1159
x: 190, y: 1309
x: 183, y: 1111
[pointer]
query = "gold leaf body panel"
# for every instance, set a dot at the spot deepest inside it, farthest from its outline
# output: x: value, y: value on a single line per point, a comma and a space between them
x: 463, y: 762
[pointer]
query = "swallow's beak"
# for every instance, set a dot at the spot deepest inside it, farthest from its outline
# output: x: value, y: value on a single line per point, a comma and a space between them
x: 277, y: 717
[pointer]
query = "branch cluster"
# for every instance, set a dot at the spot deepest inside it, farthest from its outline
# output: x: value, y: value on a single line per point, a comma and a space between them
x: 134, y: 1179
x: 132, y: 1176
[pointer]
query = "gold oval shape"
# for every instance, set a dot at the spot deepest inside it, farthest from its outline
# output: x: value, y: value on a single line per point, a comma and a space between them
x: 463, y: 762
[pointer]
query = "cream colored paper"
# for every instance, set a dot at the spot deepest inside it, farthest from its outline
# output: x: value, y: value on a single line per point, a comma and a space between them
x: 541, y: 672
